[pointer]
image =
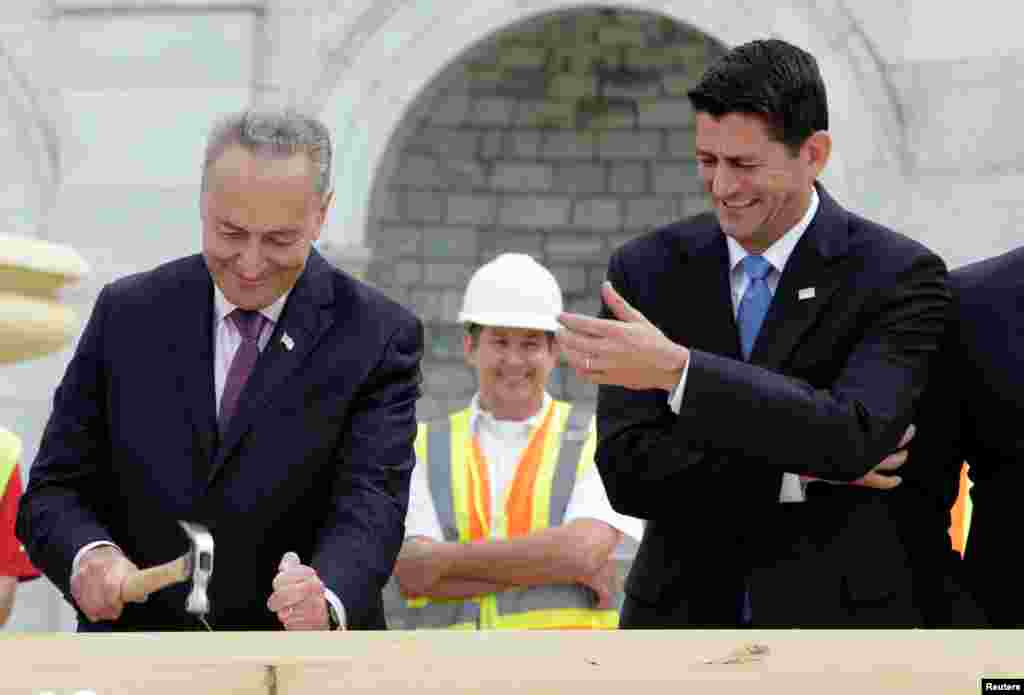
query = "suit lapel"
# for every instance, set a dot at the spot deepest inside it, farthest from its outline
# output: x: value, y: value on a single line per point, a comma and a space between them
x: 194, y: 341
x: 712, y: 326
x: 810, y: 269
x: 306, y: 318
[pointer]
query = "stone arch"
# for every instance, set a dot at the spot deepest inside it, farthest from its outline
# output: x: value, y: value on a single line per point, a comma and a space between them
x: 381, y: 56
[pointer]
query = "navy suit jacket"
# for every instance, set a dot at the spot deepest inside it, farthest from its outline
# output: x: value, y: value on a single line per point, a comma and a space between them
x: 973, y: 411
x: 828, y: 391
x: 316, y: 459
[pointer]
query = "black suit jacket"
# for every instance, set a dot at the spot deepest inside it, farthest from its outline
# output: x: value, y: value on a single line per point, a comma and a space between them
x: 828, y: 391
x: 316, y: 459
x: 973, y: 410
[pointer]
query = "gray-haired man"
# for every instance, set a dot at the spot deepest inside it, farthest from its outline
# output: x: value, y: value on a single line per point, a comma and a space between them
x: 251, y: 388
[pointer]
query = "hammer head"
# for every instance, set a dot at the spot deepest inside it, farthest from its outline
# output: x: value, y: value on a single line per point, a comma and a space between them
x: 199, y: 567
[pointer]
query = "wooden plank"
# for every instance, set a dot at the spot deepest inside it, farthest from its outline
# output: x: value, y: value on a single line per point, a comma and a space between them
x: 651, y: 662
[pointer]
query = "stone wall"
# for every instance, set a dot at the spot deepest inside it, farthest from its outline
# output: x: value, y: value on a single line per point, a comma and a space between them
x: 562, y: 138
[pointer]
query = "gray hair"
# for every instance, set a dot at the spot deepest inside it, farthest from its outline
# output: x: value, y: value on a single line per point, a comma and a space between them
x: 274, y: 134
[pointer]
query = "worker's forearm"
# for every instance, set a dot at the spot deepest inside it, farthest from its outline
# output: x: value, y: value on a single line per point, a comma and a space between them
x: 451, y: 588
x: 561, y: 555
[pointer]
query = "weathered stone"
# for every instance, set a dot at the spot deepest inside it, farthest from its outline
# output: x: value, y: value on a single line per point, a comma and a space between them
x: 571, y: 278
x: 416, y: 170
x: 449, y: 378
x: 507, y: 241
x: 582, y: 177
x: 547, y: 114
x: 522, y: 144
x: 676, y: 178
x: 452, y: 143
x: 569, y: 144
x: 460, y: 173
x: 622, y: 36
x: 437, y: 274
x: 450, y: 110
x: 597, y: 213
x: 565, y: 86
x: 394, y: 241
x: 665, y: 113
x: 628, y: 177
x: 534, y: 211
x: 629, y: 144
x: 423, y: 206
x: 387, y: 207
x: 680, y: 144
x: 573, y: 246
x: 492, y: 111
x: 479, y: 208
x: 408, y: 273
x: 677, y: 84
x: 426, y: 304
x: 650, y: 212
x: 522, y: 56
x: 449, y: 242
x: 522, y: 177
x: 491, y: 144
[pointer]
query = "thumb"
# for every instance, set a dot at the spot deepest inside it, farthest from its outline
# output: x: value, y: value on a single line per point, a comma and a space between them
x: 619, y: 306
x: 288, y: 560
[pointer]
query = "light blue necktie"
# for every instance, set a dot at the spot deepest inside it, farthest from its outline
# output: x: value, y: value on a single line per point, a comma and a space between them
x: 755, y: 302
x: 753, y: 308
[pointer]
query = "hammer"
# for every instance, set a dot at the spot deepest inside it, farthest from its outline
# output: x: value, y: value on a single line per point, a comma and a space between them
x: 196, y: 564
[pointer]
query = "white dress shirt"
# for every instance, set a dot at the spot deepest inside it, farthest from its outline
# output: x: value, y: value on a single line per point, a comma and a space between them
x: 777, y: 255
x: 226, y: 341
x: 502, y: 443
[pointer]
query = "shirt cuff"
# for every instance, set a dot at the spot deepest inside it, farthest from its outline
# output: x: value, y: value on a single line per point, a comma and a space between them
x: 339, y: 608
x: 675, y: 399
x: 86, y: 548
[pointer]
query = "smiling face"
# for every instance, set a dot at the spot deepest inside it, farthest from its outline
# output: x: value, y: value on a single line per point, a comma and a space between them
x: 512, y: 367
x: 758, y: 186
x: 260, y: 217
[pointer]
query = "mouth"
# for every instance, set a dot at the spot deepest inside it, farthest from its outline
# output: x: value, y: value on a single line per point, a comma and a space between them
x: 739, y: 204
x: 246, y: 282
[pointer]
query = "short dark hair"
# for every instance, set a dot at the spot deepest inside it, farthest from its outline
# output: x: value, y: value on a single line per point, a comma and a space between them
x: 768, y: 78
x: 473, y: 330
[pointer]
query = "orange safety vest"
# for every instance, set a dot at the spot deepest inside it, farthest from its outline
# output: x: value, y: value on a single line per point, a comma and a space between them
x: 559, y: 450
x: 960, y: 513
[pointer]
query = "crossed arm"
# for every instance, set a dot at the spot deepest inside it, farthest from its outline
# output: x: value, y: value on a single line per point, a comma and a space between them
x: 579, y: 552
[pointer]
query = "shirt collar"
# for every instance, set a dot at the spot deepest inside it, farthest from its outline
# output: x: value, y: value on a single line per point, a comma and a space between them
x: 222, y: 307
x: 779, y: 252
x: 478, y: 415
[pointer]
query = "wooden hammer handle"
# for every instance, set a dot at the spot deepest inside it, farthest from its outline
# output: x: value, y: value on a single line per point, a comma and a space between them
x: 138, y: 586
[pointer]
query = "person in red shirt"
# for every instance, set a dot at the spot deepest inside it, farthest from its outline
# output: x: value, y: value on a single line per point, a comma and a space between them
x: 14, y: 563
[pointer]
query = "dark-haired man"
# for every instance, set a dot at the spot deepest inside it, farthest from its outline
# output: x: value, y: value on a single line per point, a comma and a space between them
x: 745, y: 352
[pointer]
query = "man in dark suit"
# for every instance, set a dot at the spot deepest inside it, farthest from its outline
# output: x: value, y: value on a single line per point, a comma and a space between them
x: 973, y: 411
x: 253, y: 389
x: 780, y: 338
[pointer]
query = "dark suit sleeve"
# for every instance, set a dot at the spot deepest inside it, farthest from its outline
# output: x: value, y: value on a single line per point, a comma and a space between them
x: 357, y: 548
x: 69, y: 481
x: 736, y: 415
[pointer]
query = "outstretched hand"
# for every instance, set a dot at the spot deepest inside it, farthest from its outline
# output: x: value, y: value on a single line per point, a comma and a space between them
x: 627, y: 351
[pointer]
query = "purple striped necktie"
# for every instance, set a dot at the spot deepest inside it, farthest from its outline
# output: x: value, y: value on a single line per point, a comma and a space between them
x: 250, y: 324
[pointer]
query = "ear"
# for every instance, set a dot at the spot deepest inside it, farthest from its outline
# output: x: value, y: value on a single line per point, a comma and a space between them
x: 468, y: 349
x: 816, y: 150
x: 321, y: 215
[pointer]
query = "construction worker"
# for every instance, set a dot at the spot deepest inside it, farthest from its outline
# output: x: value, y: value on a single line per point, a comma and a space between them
x: 509, y: 525
x: 14, y: 564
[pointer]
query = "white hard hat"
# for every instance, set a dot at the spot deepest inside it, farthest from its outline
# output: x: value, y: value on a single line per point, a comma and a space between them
x: 512, y: 291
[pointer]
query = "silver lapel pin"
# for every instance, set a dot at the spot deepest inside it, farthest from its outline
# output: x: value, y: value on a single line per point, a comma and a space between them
x: 805, y: 293
x: 287, y: 341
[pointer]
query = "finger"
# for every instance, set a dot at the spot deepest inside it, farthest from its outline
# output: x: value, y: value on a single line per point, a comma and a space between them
x: 619, y: 307
x: 289, y: 559
x: 892, y: 462
x: 293, y: 575
x: 907, y: 436
x: 587, y: 326
x: 294, y: 594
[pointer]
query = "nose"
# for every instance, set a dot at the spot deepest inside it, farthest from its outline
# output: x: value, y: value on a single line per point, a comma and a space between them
x: 250, y: 263
x: 723, y: 184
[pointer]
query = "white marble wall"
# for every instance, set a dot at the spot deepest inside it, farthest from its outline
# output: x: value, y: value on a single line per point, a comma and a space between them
x: 924, y: 104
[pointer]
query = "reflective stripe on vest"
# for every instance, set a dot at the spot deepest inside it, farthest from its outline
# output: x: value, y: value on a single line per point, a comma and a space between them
x: 559, y: 450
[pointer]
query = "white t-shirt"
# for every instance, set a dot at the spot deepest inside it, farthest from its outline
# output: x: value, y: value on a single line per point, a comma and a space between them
x: 502, y: 443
